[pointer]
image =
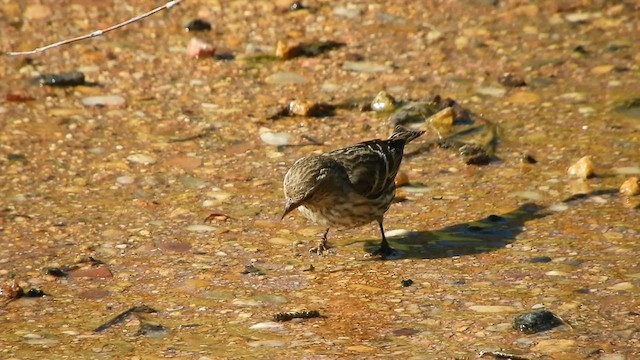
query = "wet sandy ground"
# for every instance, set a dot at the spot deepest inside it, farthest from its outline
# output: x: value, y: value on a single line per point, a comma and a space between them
x: 130, y: 185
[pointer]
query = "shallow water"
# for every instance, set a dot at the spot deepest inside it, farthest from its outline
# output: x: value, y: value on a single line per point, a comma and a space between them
x: 467, y: 236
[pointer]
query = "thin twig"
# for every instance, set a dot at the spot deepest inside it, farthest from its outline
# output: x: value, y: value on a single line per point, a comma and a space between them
x: 96, y: 33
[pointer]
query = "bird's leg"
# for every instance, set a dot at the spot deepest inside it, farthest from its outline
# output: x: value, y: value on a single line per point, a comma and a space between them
x: 322, y: 244
x: 384, y: 250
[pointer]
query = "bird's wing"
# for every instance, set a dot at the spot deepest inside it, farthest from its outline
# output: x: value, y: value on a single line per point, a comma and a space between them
x: 371, y: 165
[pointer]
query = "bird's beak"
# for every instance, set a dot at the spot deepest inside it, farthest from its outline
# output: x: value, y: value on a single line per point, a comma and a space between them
x: 289, y: 207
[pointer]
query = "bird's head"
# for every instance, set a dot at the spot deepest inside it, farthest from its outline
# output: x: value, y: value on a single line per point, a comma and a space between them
x: 307, y: 179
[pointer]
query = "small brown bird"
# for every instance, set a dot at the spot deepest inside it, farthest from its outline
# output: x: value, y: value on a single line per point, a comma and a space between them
x: 348, y: 187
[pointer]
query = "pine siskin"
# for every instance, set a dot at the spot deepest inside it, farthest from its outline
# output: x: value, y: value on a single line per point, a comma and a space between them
x: 348, y: 187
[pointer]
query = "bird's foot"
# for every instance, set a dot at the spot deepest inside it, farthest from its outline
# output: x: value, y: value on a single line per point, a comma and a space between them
x: 320, y: 249
x: 384, y: 252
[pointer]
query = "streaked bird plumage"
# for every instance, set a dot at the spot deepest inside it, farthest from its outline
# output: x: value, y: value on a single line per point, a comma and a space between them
x: 348, y: 187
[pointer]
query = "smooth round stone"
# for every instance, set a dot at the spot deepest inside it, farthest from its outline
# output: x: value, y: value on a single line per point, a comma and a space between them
x: 349, y: 11
x: 491, y: 91
x: 397, y: 232
x: 103, y: 100
x: 274, y: 138
x: 267, y: 325
x: 141, y: 159
x: 200, y: 228
x: 125, y: 180
x: 555, y: 273
x: 285, y: 78
x: 573, y: 97
x: 365, y: 66
x: 415, y: 189
x: 330, y: 87
x: 560, y: 207
x: 621, y: 286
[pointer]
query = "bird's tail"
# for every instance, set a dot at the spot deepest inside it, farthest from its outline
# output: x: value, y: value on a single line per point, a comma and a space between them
x: 403, y: 133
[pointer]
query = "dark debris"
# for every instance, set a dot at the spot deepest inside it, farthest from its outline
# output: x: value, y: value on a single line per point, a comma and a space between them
x: 536, y: 321
x: 281, y: 317
x: 73, y: 78
x: 198, y: 25
x: 123, y: 316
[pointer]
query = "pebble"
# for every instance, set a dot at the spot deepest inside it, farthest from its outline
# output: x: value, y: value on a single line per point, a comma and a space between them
x: 586, y: 110
x: 573, y: 97
x: 309, y: 108
x: 125, y: 180
x: 554, y: 346
x: 602, y: 69
x: 193, y: 182
x: 285, y: 78
x: 631, y: 186
x: 349, y: 11
x: 267, y: 325
x: 383, y: 102
x: 73, y: 78
x: 141, y: 159
x: 185, y: 162
x: 37, y: 12
x: 103, y: 100
x: 98, y: 272
x: 246, y: 302
x: 492, y: 308
x: 397, y: 232
x: 502, y: 327
x: 402, y: 179
x: 198, y: 25
x: 361, y: 348
x: 511, y: 80
x: 613, y: 357
x: 582, y: 169
x: 627, y: 170
x: 442, y: 120
x: 279, y: 241
x: 536, y: 321
x: 555, y: 273
x: 581, y: 16
x: 491, y: 91
x: 266, y: 343
x: 621, y: 286
x: 199, y: 49
x: 200, y: 228
x: 274, y: 138
x: 365, y: 67
x: 43, y: 341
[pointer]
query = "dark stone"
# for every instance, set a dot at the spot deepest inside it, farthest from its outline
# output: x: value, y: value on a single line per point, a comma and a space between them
x: 540, y: 259
x: 536, y: 321
x: 297, y: 5
x: 406, y: 282
x: 73, y: 78
x: 198, y: 25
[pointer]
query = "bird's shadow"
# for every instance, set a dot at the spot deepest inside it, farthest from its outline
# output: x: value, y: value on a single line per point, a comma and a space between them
x: 488, y: 234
